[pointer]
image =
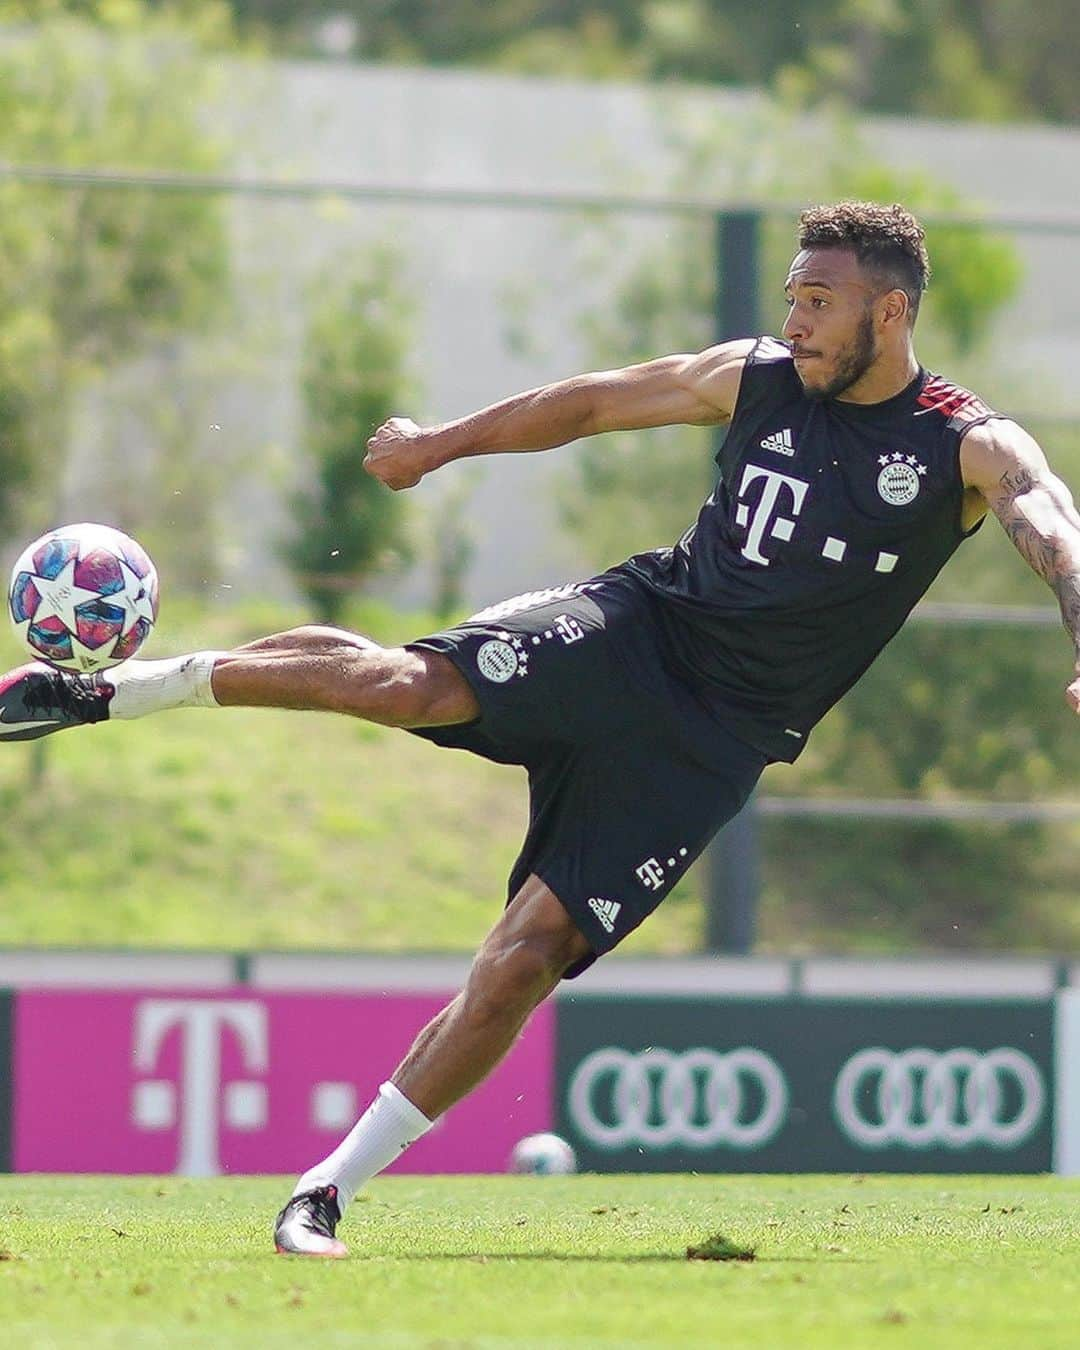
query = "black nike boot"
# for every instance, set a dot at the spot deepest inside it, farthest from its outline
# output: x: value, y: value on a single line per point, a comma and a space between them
x: 306, y: 1226
x: 37, y: 700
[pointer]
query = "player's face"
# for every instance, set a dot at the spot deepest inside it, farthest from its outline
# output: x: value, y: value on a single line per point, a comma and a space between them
x: 830, y: 322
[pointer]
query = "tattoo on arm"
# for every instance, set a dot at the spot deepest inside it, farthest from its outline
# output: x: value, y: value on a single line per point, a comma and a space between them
x: 1067, y: 590
x: 1017, y: 482
x: 1047, y: 553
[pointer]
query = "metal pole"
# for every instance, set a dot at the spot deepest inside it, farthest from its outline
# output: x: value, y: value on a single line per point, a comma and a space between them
x: 732, y: 879
x: 731, y: 860
x: 738, y: 267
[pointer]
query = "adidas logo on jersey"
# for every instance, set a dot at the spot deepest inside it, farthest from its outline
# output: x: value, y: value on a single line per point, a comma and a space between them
x: 607, y: 911
x: 780, y: 441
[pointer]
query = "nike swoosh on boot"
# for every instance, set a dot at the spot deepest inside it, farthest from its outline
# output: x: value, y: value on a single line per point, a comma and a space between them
x: 37, y: 700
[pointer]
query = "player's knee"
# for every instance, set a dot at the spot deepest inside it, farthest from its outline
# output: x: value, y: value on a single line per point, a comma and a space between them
x: 514, y: 977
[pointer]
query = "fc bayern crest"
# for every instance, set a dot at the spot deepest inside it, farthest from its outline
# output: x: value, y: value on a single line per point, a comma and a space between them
x: 898, y: 481
x: 497, y: 661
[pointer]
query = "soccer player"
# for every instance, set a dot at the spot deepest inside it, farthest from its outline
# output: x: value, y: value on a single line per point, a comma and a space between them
x: 645, y: 702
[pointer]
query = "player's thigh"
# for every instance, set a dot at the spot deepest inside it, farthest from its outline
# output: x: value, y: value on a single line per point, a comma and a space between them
x: 547, y: 670
x: 614, y: 828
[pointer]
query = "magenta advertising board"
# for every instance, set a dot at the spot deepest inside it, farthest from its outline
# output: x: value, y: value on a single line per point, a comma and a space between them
x: 243, y: 1082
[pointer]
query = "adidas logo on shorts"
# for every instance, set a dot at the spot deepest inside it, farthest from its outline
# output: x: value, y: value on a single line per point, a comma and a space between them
x: 607, y: 911
x: 780, y: 441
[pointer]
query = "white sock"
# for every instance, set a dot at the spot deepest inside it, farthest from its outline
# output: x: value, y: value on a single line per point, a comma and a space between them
x: 385, y: 1130
x: 152, y: 686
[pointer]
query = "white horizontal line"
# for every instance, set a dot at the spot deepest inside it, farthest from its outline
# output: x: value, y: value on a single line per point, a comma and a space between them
x: 1053, y: 222
x: 885, y: 808
x: 1035, y: 616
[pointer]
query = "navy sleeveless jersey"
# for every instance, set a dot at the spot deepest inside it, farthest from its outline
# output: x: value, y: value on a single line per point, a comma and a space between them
x: 828, y: 523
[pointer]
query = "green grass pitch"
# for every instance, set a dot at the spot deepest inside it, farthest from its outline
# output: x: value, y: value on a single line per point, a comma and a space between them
x: 535, y: 1263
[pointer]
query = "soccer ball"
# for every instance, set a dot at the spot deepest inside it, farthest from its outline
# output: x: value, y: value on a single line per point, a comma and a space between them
x: 543, y: 1155
x: 83, y: 597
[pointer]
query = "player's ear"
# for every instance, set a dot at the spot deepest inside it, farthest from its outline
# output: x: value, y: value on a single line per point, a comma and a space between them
x: 894, y: 307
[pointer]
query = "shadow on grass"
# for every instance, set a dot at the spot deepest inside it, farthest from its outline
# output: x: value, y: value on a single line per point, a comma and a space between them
x: 598, y: 1258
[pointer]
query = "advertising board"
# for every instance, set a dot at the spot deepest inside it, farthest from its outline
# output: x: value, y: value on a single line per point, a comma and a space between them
x: 247, y: 1081
x: 678, y: 1084
x: 1067, y: 1083
x: 201, y: 1084
x: 6, y: 1086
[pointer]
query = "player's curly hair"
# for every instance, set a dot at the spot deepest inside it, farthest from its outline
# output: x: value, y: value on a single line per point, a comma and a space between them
x: 887, y: 240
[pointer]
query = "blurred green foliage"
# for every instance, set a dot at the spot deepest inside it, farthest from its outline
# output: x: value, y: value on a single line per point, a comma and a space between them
x: 992, y: 59
x: 883, y: 886
x: 976, y: 273
x: 209, y: 23
x: 347, y: 525
x: 87, y: 276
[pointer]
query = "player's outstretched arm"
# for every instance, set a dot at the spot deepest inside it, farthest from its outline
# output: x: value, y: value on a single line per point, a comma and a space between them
x: 1007, y: 466
x: 690, y: 390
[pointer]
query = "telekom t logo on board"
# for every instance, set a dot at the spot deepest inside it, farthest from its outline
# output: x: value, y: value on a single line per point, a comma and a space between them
x: 766, y: 518
x: 199, y: 1102
x: 241, y: 1079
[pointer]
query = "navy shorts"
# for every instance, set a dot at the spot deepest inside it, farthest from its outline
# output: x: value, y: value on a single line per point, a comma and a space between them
x: 572, y: 685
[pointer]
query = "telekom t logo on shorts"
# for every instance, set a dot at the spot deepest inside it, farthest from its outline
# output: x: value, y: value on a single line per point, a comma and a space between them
x: 780, y: 493
x: 193, y: 1102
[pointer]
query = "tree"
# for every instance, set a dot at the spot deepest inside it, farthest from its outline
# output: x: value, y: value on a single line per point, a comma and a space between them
x: 453, y: 540
x: 990, y: 59
x: 89, y: 276
x: 348, y: 525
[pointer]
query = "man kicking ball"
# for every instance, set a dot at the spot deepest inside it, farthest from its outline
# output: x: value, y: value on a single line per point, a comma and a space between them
x: 645, y: 702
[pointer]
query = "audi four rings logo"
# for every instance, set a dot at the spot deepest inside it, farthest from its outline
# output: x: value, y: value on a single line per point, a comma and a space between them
x: 955, y: 1098
x: 660, y: 1098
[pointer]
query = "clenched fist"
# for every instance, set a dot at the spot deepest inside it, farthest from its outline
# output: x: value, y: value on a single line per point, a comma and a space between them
x: 1072, y: 693
x: 396, y: 453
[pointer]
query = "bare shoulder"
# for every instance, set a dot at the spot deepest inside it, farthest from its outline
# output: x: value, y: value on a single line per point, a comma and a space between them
x: 1005, y: 469
x: 999, y: 456
x: 715, y: 374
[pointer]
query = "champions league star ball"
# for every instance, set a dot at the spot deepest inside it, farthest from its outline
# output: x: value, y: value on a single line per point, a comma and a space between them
x: 543, y: 1155
x: 83, y: 597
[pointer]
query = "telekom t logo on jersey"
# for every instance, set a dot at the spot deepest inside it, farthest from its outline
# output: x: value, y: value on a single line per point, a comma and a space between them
x: 767, y: 519
x: 202, y: 1024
